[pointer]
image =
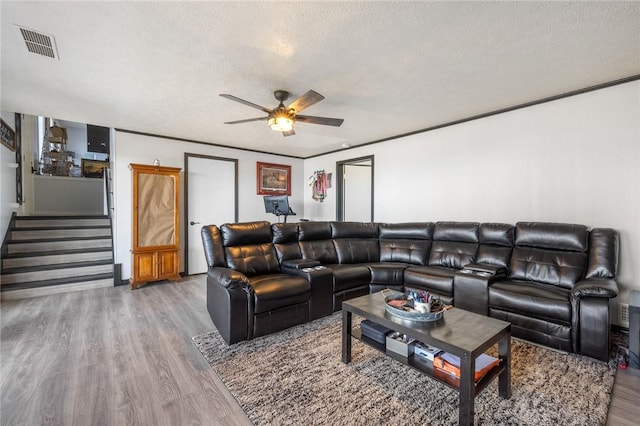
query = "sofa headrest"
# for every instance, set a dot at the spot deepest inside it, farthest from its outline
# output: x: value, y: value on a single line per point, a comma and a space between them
x: 406, y: 231
x: 604, y: 245
x: 553, y: 236
x: 499, y: 234
x: 354, y: 230
x: 213, y: 250
x: 309, y: 231
x: 464, y: 232
x: 284, y: 232
x: 247, y: 233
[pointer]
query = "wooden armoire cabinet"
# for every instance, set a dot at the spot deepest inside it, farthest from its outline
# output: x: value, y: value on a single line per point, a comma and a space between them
x: 155, y: 224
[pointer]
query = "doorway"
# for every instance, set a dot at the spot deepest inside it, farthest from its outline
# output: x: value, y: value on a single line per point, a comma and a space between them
x: 354, y: 190
x: 211, y: 198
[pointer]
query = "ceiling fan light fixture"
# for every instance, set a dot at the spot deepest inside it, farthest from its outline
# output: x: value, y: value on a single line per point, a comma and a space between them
x: 281, y: 121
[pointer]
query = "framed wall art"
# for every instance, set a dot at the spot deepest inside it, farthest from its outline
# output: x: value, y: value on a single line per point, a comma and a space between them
x: 93, y: 168
x: 273, y: 179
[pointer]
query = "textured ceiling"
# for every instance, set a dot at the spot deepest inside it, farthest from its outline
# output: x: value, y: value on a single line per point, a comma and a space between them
x: 387, y: 68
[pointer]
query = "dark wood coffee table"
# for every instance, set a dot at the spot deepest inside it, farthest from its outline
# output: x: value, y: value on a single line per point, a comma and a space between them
x: 459, y: 332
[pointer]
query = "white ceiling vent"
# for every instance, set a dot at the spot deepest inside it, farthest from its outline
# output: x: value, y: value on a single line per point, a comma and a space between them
x: 39, y: 43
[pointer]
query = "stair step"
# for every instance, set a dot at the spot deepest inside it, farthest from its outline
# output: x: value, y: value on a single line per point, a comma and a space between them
x: 49, y: 272
x: 63, y: 221
x: 66, y: 232
x: 55, y: 244
x: 48, y: 287
x: 22, y: 260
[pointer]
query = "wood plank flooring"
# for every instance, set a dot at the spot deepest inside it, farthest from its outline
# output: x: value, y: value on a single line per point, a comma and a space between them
x: 113, y: 356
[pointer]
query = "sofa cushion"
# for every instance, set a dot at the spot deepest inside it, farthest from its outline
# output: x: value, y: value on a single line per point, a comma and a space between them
x: 284, y: 232
x: 308, y: 231
x: 466, y: 232
x: 531, y: 299
x: 354, y: 230
x: 558, y: 268
x: 275, y: 291
x: 248, y: 233
x: 451, y: 254
x: 496, y: 234
x: 406, y: 231
x: 430, y: 278
x: 415, y: 252
x: 253, y: 260
x: 322, y: 250
x: 554, y: 236
x: 454, y: 244
x: 349, y: 276
x: 357, y: 250
x: 496, y: 243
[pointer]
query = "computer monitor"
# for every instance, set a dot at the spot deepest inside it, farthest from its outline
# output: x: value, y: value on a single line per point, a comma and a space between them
x: 278, y: 205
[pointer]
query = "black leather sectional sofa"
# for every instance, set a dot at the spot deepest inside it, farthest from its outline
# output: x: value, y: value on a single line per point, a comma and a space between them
x: 553, y: 282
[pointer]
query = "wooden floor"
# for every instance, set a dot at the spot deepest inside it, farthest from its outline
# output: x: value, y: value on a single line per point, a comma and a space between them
x: 114, y: 356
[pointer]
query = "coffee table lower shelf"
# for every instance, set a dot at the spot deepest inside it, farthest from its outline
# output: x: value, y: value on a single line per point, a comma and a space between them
x: 426, y: 367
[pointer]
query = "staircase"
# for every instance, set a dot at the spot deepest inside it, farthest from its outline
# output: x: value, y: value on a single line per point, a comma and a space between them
x: 54, y: 254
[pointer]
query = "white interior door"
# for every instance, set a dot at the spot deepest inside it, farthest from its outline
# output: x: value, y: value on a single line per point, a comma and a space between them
x: 212, y: 200
x: 357, y: 192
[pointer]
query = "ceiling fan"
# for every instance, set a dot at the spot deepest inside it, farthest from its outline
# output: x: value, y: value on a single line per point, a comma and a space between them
x: 282, y: 118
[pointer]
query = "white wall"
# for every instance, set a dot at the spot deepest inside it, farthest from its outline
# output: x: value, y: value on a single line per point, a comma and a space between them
x: 130, y: 148
x: 7, y: 179
x: 73, y: 196
x: 574, y: 160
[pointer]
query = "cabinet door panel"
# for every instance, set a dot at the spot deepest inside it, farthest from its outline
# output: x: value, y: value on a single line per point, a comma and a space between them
x: 168, y: 264
x: 145, y: 268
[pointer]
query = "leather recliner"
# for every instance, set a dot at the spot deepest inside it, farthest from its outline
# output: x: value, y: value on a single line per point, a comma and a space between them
x: 247, y: 295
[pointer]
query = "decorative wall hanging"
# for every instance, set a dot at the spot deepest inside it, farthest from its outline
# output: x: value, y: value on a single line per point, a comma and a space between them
x: 273, y: 179
x: 319, y: 182
x: 7, y: 135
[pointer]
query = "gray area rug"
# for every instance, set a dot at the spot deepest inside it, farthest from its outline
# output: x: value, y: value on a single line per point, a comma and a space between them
x: 297, y: 377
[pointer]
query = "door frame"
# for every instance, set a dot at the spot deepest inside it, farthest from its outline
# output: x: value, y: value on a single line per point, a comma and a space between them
x: 340, y: 185
x: 188, y: 155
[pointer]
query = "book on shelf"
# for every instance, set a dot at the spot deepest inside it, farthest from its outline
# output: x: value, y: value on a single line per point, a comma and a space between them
x: 451, y: 364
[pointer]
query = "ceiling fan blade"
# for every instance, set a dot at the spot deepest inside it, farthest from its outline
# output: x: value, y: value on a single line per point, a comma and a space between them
x: 306, y: 100
x: 320, y: 120
x: 242, y: 101
x: 289, y: 133
x: 246, y: 120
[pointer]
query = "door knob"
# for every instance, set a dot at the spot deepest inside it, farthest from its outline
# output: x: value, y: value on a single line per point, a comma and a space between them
x: 194, y: 223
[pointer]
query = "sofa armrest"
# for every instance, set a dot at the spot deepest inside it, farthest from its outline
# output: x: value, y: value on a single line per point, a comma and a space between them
x: 321, y: 281
x: 229, y: 278
x: 300, y: 263
x: 595, y: 287
x: 471, y: 288
x: 485, y: 268
x: 229, y: 303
